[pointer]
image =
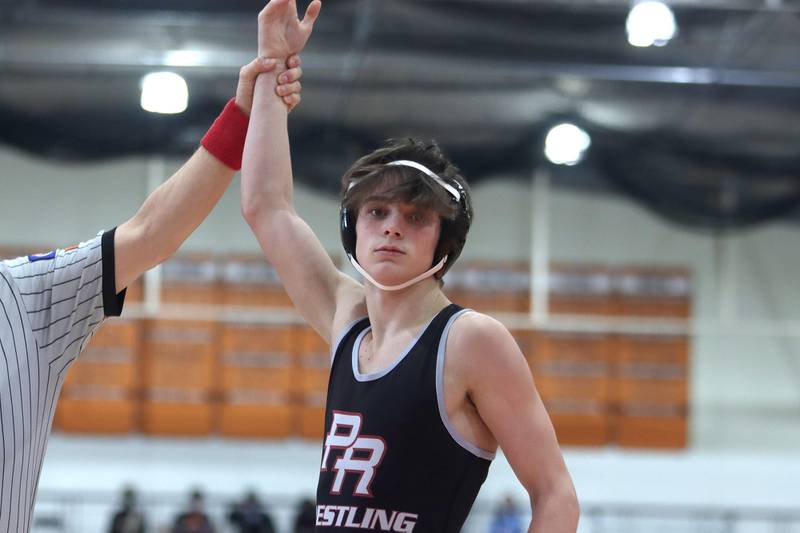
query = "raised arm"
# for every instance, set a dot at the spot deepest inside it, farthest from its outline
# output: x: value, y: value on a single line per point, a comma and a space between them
x: 500, y: 385
x: 175, y: 209
x: 307, y: 272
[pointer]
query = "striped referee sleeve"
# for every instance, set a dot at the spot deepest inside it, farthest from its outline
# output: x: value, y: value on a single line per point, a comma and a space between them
x: 68, y: 293
x: 50, y: 305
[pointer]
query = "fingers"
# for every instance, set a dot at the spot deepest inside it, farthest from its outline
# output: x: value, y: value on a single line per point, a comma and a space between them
x: 291, y: 75
x: 288, y: 88
x: 292, y: 100
x: 312, y: 12
x: 272, y: 9
x: 251, y: 70
x: 294, y: 61
x: 265, y: 64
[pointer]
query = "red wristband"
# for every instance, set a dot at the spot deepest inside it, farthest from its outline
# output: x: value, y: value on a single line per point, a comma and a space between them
x: 225, y: 138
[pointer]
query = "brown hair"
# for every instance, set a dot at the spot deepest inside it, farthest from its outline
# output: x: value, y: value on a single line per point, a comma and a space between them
x: 370, y: 176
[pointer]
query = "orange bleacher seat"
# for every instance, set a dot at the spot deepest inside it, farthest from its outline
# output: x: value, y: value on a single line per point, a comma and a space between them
x: 652, y: 292
x: 651, y: 391
x: 98, y: 395
x: 572, y: 375
x: 574, y: 388
x: 180, y: 376
x: 191, y: 279
x: 251, y: 281
x: 135, y: 292
x: 258, y: 371
x: 96, y: 410
x: 652, y: 369
x: 651, y: 426
x: 110, y: 359
x: 655, y: 391
x: 526, y: 340
x: 178, y: 412
x: 580, y: 429
x: 663, y: 349
x: 311, y: 388
x: 314, y: 361
x: 258, y: 357
x: 90, y: 370
x: 117, y: 332
x: 256, y: 296
x: 490, y: 286
x: 578, y: 408
x: 589, y: 348
x: 312, y: 415
x: 254, y: 338
x: 257, y: 414
x: 579, y: 290
x: 180, y: 354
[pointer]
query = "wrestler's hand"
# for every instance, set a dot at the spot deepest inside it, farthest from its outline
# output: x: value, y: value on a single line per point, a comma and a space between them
x: 289, y: 85
x: 280, y: 32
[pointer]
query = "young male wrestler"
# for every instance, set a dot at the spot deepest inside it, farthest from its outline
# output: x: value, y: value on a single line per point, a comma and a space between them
x: 421, y: 391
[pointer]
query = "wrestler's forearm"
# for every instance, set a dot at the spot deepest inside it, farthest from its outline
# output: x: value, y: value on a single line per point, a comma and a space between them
x: 266, y: 165
x: 555, y: 513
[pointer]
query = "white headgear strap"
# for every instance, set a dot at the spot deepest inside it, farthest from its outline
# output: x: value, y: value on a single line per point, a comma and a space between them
x: 425, y: 170
x: 431, y: 271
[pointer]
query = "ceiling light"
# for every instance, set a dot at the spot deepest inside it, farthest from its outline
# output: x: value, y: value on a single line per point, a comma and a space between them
x: 184, y: 58
x: 566, y: 144
x: 164, y: 92
x: 650, y: 23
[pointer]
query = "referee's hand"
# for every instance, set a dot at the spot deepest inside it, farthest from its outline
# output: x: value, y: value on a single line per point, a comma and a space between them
x: 288, y: 86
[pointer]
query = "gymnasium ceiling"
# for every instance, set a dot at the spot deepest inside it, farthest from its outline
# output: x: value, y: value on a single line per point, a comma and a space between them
x: 704, y: 130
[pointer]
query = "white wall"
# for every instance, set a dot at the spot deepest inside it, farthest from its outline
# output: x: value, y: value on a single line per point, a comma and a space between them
x: 47, y: 203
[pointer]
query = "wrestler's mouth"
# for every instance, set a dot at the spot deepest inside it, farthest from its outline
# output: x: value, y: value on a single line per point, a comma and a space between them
x: 389, y: 250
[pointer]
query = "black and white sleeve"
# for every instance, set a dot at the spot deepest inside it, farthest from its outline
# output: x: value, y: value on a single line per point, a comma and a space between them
x: 67, y: 293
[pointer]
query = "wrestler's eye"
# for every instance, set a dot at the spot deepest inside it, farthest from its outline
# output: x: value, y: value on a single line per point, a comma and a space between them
x: 417, y: 217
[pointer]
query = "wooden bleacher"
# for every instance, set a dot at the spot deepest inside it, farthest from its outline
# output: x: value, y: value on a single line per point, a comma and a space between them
x: 651, y: 391
x: 180, y: 370
x: 241, y: 378
x: 258, y: 370
x: 99, y: 391
x: 249, y: 281
x: 579, y: 290
x: 572, y: 374
x: 490, y: 285
x: 311, y: 390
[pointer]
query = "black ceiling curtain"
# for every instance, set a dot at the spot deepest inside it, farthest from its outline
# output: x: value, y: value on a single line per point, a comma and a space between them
x: 698, y: 188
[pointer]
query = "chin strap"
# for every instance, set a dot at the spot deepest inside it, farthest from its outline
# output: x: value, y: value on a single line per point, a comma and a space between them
x: 431, y: 271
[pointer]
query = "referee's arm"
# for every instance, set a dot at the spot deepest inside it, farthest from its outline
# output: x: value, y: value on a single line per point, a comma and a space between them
x: 168, y: 216
x: 175, y: 209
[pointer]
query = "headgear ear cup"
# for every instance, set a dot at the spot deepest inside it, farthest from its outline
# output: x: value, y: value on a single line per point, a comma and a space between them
x: 460, y: 224
x: 347, y: 229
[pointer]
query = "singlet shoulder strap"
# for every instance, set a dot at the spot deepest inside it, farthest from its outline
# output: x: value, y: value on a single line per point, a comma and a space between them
x: 354, y: 327
x: 462, y: 441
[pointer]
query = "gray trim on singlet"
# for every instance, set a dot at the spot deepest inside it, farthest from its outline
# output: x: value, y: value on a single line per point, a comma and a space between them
x: 460, y: 440
x: 345, y: 330
x: 380, y: 373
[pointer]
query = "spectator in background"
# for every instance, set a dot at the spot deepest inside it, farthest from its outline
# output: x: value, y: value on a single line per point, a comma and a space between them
x: 195, y: 519
x: 506, y: 518
x: 249, y: 516
x: 128, y: 519
x: 306, y: 517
